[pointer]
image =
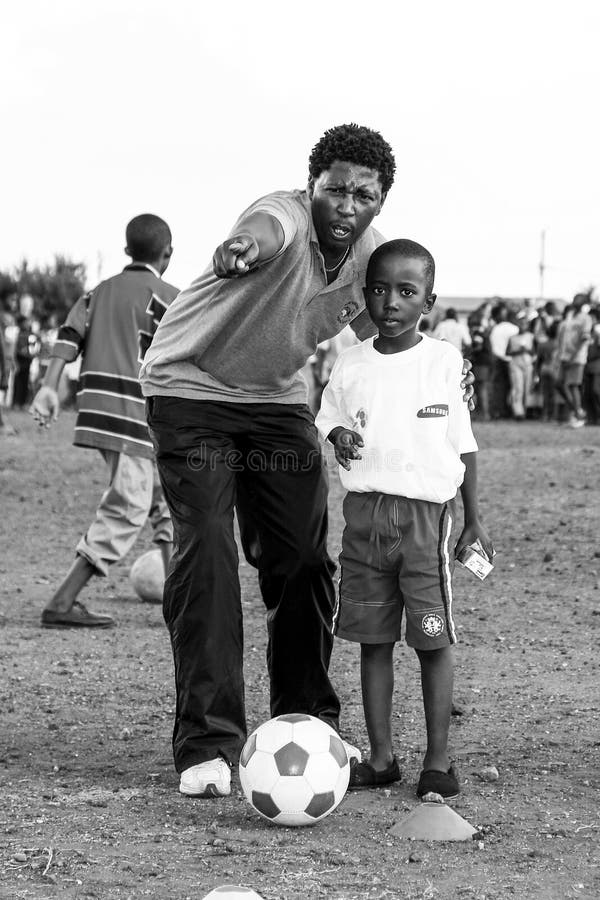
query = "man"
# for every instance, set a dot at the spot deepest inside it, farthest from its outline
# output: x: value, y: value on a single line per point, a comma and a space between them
x: 500, y: 334
x: 453, y: 331
x: 227, y: 411
x: 5, y: 428
x: 574, y: 337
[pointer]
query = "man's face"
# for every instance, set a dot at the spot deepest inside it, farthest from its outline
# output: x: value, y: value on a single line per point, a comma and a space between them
x: 397, y: 293
x: 344, y: 201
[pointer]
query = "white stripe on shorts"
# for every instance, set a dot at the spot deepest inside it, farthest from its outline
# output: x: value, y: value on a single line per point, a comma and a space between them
x: 336, y: 609
x: 448, y: 576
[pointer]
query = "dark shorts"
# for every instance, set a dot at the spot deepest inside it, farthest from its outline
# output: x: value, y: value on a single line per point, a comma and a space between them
x: 396, y: 557
x: 571, y: 374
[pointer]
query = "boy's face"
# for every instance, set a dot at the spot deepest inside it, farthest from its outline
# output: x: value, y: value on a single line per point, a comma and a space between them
x: 344, y: 201
x: 397, y: 294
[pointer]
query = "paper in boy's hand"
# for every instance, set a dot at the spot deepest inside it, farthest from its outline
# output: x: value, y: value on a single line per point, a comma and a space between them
x: 475, y: 559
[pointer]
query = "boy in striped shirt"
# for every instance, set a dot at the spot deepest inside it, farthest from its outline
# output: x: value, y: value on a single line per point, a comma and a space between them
x: 402, y: 436
x: 112, y: 327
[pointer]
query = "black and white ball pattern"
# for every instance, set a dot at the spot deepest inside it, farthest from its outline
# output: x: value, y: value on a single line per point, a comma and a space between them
x: 294, y: 770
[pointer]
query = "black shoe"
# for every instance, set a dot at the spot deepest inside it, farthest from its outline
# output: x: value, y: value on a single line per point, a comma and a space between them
x: 363, y: 775
x: 76, y: 617
x: 432, y: 781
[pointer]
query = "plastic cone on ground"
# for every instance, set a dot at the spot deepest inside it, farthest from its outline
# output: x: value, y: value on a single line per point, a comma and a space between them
x: 434, y: 821
x: 232, y: 892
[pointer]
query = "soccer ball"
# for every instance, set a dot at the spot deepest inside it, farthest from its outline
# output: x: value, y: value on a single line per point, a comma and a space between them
x: 147, y: 576
x: 232, y: 892
x: 294, y: 769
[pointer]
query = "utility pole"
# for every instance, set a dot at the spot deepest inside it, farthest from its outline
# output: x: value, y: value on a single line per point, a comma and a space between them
x: 542, y: 263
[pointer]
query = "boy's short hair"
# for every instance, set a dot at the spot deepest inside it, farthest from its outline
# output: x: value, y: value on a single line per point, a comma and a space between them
x: 147, y: 236
x: 408, y: 249
x: 357, y: 144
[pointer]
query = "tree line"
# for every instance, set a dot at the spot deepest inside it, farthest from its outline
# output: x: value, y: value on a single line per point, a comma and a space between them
x: 54, y: 287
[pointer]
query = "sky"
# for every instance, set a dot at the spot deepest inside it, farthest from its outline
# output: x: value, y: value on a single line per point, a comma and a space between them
x: 192, y: 109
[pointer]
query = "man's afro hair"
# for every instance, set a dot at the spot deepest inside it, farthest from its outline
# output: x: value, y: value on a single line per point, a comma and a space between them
x: 356, y: 144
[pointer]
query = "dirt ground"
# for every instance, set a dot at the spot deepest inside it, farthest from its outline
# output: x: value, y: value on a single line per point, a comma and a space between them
x: 89, y: 806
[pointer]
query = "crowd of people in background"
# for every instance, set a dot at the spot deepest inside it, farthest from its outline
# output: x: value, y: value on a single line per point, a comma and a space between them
x: 25, y: 345
x: 530, y: 361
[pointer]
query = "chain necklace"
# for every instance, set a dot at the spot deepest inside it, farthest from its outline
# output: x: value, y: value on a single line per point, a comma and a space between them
x: 338, y: 264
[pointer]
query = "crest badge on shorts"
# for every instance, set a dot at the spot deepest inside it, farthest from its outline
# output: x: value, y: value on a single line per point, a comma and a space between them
x: 432, y: 625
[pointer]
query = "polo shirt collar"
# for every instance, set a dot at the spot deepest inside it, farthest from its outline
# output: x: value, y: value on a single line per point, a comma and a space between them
x: 138, y: 266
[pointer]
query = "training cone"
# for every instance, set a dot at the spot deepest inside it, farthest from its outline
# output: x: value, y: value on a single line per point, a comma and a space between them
x: 434, y: 821
x: 232, y: 892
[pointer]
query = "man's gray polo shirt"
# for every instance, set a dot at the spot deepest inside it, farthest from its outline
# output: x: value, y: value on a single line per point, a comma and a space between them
x: 244, y: 340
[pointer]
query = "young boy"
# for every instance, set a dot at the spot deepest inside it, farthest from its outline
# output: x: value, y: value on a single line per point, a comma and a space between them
x: 393, y: 410
x: 112, y: 327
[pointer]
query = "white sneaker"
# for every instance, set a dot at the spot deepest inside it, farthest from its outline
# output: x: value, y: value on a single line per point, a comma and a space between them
x: 207, y: 779
x: 352, y: 752
x: 577, y: 423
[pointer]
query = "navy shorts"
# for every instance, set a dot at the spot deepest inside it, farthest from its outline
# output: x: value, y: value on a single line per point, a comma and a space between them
x: 396, y: 559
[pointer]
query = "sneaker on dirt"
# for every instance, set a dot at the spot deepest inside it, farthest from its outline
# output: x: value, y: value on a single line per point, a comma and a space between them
x: 352, y: 752
x: 207, y: 779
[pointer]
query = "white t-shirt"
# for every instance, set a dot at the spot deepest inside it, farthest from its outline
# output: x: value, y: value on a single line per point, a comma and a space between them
x: 453, y: 331
x: 409, y: 410
x: 500, y: 335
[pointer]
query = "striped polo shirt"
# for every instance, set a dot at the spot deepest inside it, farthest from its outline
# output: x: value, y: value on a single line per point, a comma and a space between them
x: 112, y: 327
